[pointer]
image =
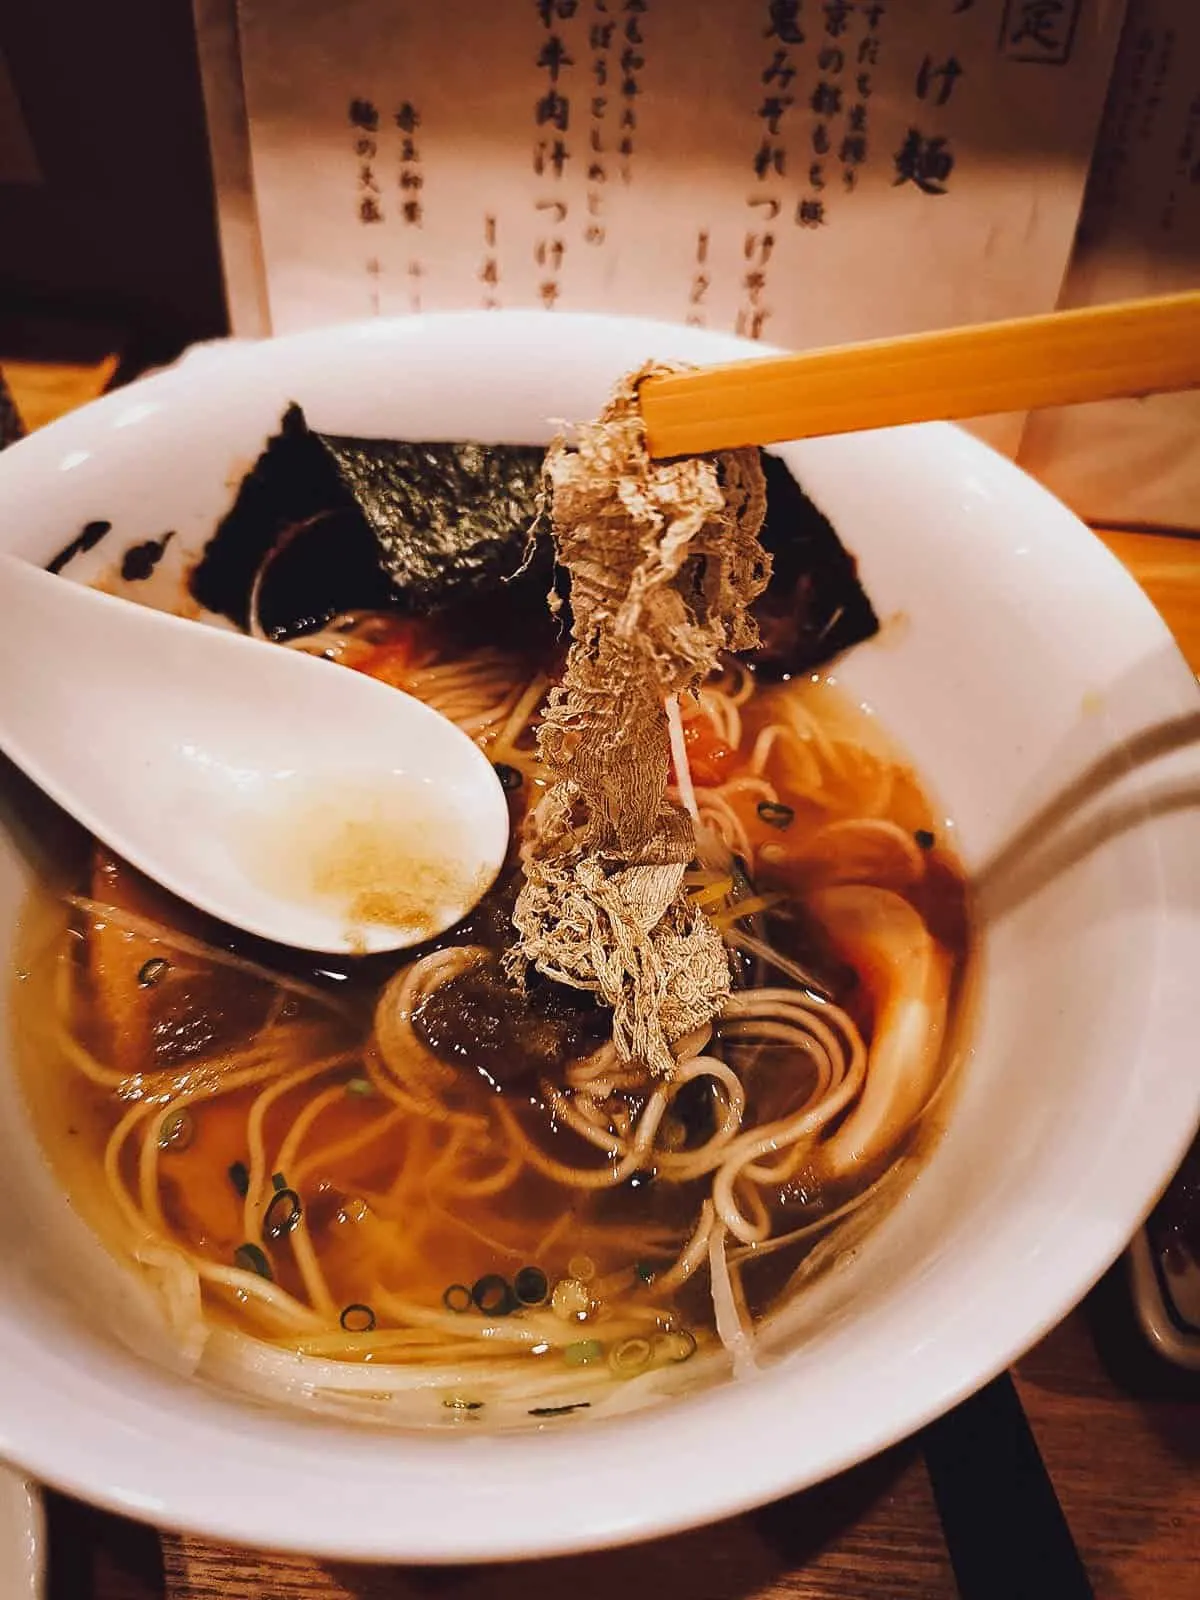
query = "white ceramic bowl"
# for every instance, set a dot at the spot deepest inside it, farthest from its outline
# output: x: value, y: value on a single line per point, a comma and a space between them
x: 1017, y: 658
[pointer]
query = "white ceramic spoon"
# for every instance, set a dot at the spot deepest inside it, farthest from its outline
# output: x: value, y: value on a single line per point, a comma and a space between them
x: 296, y: 800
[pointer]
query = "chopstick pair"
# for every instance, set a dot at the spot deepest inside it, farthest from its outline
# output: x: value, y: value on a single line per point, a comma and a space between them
x: 1132, y: 348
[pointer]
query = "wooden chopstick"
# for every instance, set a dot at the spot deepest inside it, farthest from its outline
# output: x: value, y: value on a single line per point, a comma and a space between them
x: 1132, y: 348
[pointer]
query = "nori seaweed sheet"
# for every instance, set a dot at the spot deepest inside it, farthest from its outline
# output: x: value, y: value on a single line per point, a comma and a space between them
x: 814, y: 607
x: 440, y: 527
x: 371, y: 524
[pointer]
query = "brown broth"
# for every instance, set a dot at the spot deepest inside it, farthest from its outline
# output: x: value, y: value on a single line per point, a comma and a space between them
x: 385, y: 1198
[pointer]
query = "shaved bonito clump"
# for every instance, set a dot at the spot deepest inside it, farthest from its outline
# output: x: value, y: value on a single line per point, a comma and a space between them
x: 664, y: 562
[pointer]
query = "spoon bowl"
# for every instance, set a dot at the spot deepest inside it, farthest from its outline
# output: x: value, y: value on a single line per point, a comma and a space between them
x: 300, y: 802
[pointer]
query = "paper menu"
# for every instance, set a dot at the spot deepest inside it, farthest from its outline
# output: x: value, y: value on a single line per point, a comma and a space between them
x: 801, y: 172
x: 1136, y: 461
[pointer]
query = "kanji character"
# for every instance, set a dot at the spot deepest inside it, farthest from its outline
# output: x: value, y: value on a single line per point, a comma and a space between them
x: 831, y: 59
x: 949, y: 72
x: 412, y: 213
x: 600, y: 71
x: 810, y: 213
x: 551, y: 251
x: 408, y: 150
x: 750, y: 323
x: 769, y: 156
x: 925, y: 162
x: 366, y: 147
x: 754, y: 283
x: 555, y: 109
x: 364, y: 114
x: 599, y: 106
x: 600, y: 38
x: 1039, y: 22
x: 820, y: 139
x: 863, y: 84
x: 856, y: 119
x: 548, y: 293
x: 701, y: 284
x: 837, y: 17
x: 553, y: 57
x: 773, y: 109
x: 826, y: 99
x: 596, y: 173
x: 368, y: 209
x: 760, y: 244
x: 490, y: 273
x: 631, y: 61
x: 594, y: 234
x: 555, y: 155
x: 854, y: 150
x: 780, y: 71
x: 784, y: 22
x: 411, y: 180
x: 563, y: 10
x: 868, y: 53
x: 816, y: 175
x: 407, y: 119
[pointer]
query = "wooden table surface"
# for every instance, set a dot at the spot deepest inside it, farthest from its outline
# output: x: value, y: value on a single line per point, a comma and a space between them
x: 1119, y: 1430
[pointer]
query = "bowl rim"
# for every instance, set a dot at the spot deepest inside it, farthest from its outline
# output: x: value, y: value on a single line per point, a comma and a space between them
x: 148, y: 1484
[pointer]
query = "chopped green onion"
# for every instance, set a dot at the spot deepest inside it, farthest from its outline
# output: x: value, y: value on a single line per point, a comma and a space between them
x: 677, y: 1346
x: 510, y: 777
x: 630, y: 1356
x: 582, y: 1352
x: 239, y: 1177
x: 278, y: 1182
x: 560, y: 1411
x: 924, y: 838
x: 362, y: 1087
x: 457, y: 1298
x: 582, y: 1267
x: 176, y: 1130
x: 531, y: 1286
x: 282, y: 1215
x: 357, y: 1318
x: 775, y: 814
x: 150, y: 972
x: 493, y: 1295
x: 251, y: 1259
x: 455, y: 1404
x: 644, y: 1272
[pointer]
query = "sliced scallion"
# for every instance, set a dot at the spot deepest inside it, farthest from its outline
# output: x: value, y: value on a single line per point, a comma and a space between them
x: 239, y: 1177
x: 362, y: 1088
x: 510, y: 777
x: 775, y: 814
x: 583, y: 1352
x: 531, y: 1286
x: 176, y: 1130
x: 152, y: 972
x: 282, y: 1215
x: 630, y: 1356
x: 677, y: 1346
x: 493, y: 1295
x: 251, y: 1259
x: 457, y: 1298
x: 357, y: 1318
